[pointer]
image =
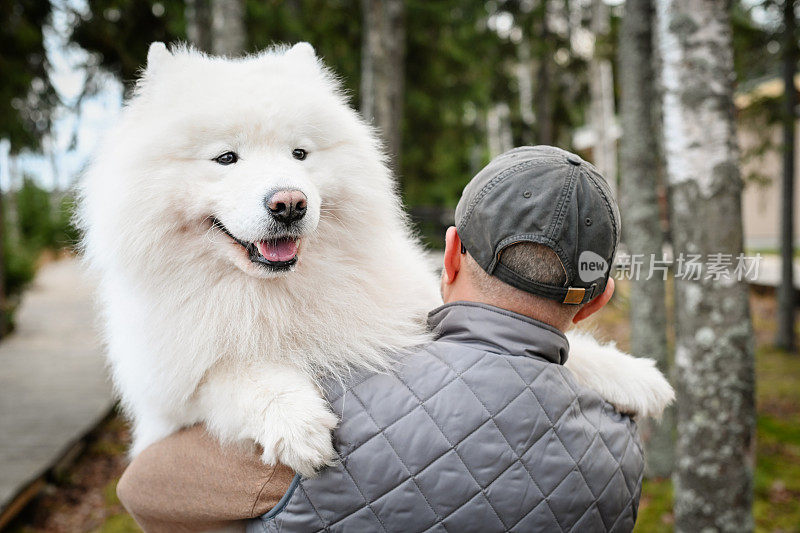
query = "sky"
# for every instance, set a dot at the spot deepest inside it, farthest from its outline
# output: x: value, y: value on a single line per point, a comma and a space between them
x: 62, y: 164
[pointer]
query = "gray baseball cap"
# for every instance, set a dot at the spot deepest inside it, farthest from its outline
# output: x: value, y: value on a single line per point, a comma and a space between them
x: 544, y: 195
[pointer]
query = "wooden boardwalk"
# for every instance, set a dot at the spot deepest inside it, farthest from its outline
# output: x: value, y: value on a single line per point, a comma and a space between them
x: 53, y: 383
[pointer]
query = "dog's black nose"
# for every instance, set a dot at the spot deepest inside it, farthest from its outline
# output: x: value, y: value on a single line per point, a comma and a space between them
x: 287, y: 206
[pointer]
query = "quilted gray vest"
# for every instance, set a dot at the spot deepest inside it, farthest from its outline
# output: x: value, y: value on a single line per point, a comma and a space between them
x: 481, y: 430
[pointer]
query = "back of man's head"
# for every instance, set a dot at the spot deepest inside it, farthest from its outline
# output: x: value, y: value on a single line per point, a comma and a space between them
x: 537, y: 229
x: 533, y: 261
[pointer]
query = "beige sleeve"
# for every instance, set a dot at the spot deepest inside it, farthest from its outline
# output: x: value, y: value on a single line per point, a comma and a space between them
x: 190, y: 482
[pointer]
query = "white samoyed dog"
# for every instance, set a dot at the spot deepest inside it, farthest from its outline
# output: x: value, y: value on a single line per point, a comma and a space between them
x: 249, y: 241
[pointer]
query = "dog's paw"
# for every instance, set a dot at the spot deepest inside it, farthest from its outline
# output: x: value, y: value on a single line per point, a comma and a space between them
x: 300, y: 438
x: 631, y: 384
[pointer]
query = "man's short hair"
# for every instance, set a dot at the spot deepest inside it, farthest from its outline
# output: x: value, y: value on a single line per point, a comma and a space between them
x: 534, y: 261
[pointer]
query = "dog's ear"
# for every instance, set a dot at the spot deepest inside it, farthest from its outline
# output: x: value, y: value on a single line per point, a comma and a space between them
x: 302, y: 52
x: 157, y: 57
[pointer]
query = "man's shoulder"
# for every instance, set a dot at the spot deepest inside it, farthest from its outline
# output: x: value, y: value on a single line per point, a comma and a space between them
x: 491, y: 381
x: 514, y: 424
x: 433, y: 366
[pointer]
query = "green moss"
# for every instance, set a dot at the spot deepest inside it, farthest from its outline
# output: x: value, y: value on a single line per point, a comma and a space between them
x: 110, y: 493
x: 778, y: 383
x: 108, y: 447
x: 655, y: 508
x: 777, y: 479
x: 119, y: 523
x: 773, y: 516
x: 783, y: 433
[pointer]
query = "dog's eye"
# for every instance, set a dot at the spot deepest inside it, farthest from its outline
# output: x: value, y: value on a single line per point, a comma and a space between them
x: 299, y: 154
x: 228, y: 158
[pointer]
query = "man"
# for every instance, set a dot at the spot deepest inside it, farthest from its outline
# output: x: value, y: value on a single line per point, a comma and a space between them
x: 483, y: 429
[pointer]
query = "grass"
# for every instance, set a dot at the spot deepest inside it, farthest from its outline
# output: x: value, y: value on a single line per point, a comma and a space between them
x: 116, y: 521
x: 655, y: 507
x: 119, y: 523
x: 777, y: 475
x: 770, y: 251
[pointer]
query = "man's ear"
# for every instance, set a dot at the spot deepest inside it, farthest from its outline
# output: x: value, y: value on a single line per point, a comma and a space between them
x: 157, y: 57
x: 595, y: 304
x: 452, y: 254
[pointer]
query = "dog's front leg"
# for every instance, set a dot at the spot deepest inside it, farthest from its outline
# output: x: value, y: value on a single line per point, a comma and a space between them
x: 150, y: 426
x: 631, y: 384
x: 278, y: 407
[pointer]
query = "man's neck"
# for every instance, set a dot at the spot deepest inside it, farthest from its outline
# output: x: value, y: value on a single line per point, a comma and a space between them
x: 517, y: 307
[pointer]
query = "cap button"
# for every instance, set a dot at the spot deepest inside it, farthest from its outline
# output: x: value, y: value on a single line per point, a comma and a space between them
x: 575, y: 160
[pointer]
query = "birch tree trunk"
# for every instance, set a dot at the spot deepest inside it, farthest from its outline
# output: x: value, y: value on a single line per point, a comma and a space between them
x: 383, y: 53
x: 498, y: 129
x: 3, y: 315
x: 227, y: 27
x: 544, y: 93
x: 198, y: 24
x: 786, y: 300
x: 601, y: 86
x: 640, y: 165
x: 714, y: 342
x: 524, y: 71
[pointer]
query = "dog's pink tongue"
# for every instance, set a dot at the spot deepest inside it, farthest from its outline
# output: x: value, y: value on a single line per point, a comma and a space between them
x: 278, y: 250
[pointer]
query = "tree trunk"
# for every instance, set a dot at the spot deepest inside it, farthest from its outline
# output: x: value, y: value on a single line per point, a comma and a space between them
x: 198, y: 24
x: 601, y: 86
x: 227, y: 28
x: 786, y: 303
x: 544, y: 93
x: 3, y: 312
x: 640, y: 165
x: 524, y: 73
x: 383, y: 70
x: 713, y: 335
x: 498, y: 129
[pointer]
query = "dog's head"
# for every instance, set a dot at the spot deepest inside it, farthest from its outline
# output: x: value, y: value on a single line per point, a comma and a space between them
x: 240, y: 160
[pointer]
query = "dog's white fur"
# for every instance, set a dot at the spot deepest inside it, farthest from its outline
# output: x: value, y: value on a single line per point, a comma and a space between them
x: 198, y: 333
x: 631, y: 384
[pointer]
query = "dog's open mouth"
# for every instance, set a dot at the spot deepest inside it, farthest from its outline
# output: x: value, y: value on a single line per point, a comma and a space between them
x: 278, y: 253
